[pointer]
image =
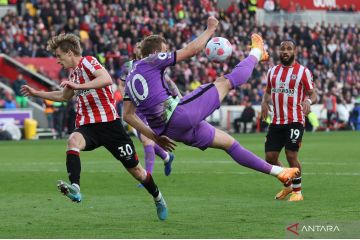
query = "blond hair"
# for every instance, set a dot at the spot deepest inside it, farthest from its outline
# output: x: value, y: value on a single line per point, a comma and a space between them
x: 66, y: 42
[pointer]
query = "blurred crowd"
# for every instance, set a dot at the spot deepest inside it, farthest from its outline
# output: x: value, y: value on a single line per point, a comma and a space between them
x: 109, y: 30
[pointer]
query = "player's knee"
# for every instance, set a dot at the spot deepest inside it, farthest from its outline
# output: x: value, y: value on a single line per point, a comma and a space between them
x: 222, y: 82
x: 271, y: 158
x: 138, y: 173
x: 73, y: 141
x: 147, y: 142
x: 293, y: 162
x: 291, y: 156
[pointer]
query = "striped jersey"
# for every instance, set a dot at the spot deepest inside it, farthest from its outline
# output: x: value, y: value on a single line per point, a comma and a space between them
x: 93, y: 105
x: 288, y: 87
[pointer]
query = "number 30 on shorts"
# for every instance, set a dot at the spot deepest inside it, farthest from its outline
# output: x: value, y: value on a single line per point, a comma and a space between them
x: 126, y: 150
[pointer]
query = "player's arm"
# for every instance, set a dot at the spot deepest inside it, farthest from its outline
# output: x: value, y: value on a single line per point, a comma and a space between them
x: 172, y: 86
x: 122, y: 87
x: 310, y: 91
x: 312, y: 98
x: 57, y: 96
x: 265, y: 105
x: 132, y: 119
x: 102, y: 79
x: 312, y: 95
x: 266, y: 100
x: 198, y: 44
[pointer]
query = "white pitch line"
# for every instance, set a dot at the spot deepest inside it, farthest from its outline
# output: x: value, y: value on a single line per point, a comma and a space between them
x: 101, y: 162
x: 189, y: 172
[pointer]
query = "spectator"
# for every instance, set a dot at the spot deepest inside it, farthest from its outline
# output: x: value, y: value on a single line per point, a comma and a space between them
x: 194, y: 84
x: 49, y: 111
x: 252, y: 8
x: 21, y: 100
x: 2, y: 98
x: 70, y: 116
x: 59, y: 118
x: 9, y: 101
x: 277, y: 6
x: 109, y: 31
x: 3, y: 2
x: 329, y: 102
x: 354, y: 119
x: 247, y: 116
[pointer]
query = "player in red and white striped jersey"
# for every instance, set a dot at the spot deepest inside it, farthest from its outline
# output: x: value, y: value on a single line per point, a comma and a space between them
x: 290, y: 89
x: 97, y: 123
x: 94, y: 105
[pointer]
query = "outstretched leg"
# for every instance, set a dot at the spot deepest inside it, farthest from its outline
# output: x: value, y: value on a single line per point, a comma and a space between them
x: 244, y: 157
x: 242, y: 72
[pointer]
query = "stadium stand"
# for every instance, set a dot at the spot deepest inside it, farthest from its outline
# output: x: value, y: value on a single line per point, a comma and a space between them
x: 109, y: 30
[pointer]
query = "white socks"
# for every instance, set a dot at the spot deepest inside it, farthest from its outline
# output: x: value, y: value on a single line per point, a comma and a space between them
x: 158, y: 197
x: 276, y: 170
x: 167, y: 158
x: 76, y: 186
x: 256, y: 53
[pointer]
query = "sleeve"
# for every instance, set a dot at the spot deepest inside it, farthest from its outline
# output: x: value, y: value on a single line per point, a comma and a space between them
x: 162, y: 60
x: 268, y: 80
x: 307, y: 80
x: 91, y: 64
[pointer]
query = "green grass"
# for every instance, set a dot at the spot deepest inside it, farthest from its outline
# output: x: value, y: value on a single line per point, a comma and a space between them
x: 208, y: 194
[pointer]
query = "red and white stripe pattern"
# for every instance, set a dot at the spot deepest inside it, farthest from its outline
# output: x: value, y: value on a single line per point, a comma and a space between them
x: 93, y: 105
x: 288, y: 86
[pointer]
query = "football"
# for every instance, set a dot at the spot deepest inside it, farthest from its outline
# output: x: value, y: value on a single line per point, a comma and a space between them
x: 218, y: 49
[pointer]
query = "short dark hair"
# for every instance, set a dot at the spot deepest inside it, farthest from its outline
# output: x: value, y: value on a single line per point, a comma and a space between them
x: 289, y: 40
x: 151, y: 44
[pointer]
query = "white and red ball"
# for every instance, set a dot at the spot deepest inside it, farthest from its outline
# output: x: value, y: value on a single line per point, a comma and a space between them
x: 218, y: 49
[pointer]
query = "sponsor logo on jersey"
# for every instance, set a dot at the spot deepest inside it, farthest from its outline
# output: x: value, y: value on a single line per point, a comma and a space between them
x: 82, y: 92
x: 289, y: 92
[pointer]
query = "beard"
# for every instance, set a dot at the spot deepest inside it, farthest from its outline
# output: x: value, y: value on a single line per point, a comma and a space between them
x: 287, y: 62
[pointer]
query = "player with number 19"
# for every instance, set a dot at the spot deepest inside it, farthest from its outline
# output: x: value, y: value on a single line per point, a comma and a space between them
x: 291, y: 90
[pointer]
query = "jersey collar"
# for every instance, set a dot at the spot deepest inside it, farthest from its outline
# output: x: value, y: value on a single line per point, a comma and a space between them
x: 291, y: 66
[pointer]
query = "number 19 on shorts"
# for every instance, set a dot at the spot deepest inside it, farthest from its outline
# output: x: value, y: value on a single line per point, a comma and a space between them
x: 294, y: 134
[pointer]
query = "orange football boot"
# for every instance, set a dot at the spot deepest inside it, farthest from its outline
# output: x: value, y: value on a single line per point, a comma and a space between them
x: 296, y: 196
x: 283, y: 193
x: 258, y: 42
x: 287, y: 175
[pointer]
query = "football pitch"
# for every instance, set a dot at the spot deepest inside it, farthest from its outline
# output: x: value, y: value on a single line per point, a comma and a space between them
x: 208, y: 194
